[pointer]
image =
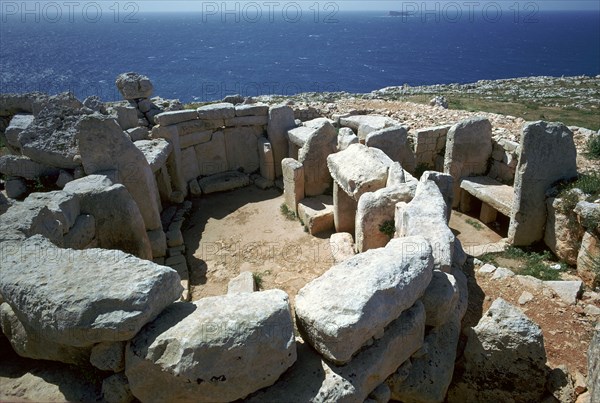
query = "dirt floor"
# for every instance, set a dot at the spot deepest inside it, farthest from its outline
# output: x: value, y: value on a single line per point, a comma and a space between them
x: 244, y: 230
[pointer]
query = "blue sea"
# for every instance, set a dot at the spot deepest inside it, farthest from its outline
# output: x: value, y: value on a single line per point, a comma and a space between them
x: 200, y: 57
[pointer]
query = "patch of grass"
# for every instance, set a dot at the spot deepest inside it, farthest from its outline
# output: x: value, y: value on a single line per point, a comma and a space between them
x: 258, y: 280
x: 527, y: 262
x: 388, y: 227
x: 569, y: 201
x: 474, y: 224
x: 287, y: 213
x: 593, y: 148
x: 589, y: 184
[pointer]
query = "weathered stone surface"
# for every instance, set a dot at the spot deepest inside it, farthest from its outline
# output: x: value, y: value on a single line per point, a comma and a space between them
x: 440, y: 298
x: 155, y: 151
x: 52, y: 137
x: 212, y: 155
x: 504, y: 359
x: 195, y: 189
x: 430, y: 374
x: 108, y: 356
x: 374, y: 211
x: 379, y: 285
x: 393, y: 142
x: 243, y: 283
x: 252, y: 110
x: 594, y: 366
x: 316, y: 213
x: 134, y: 86
x: 49, y: 292
x: 158, y: 242
x: 64, y: 177
x: 346, y: 137
x: 568, y: 291
x: 426, y: 215
x: 194, y: 138
x: 126, y: 116
x: 429, y: 143
x: 589, y: 214
x: 116, y: 228
x: 247, y: 121
x: 17, y: 124
x: 174, y: 117
x: 561, y: 384
x: 490, y: 191
x: 223, y: 182
x: 344, y: 210
x: 312, y: 379
x: 359, y: 169
x: 189, y: 164
x: 223, y: 110
x: 217, y: 349
x: 365, y: 124
x: 281, y: 119
x: 342, y: 246
x: 548, y: 155
x: 293, y: 183
x: 446, y: 185
x: 587, y: 259
x: 266, y: 159
x: 241, y: 144
x: 115, y: 389
x: 17, y: 165
x: 104, y: 146
x: 397, y: 176
x: 82, y: 233
x: 95, y: 103
x: 27, y: 342
x: 320, y: 143
x: 501, y: 273
x: 468, y: 148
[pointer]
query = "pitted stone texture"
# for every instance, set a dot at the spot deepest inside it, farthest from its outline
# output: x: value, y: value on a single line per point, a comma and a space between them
x: 313, y: 379
x: 19, y: 166
x: 342, y: 246
x: 440, y: 299
x: 359, y: 169
x: 504, y: 359
x: 134, y: 86
x: 104, y: 146
x: 548, y: 155
x: 378, y: 286
x: 217, y: 349
x: 50, y: 292
x: 365, y: 124
x: 346, y: 137
x: 155, y: 151
x: 426, y: 215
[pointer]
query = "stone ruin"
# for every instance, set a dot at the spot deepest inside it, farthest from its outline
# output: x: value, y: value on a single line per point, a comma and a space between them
x: 95, y: 274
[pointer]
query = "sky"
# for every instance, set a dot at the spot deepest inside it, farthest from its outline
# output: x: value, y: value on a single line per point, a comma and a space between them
x: 357, y: 5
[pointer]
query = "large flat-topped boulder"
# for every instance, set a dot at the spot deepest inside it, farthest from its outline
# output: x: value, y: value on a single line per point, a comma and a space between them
x: 174, y: 117
x: 490, y: 191
x: 548, y: 155
x: 365, y: 124
x: 251, y: 110
x: 156, y: 151
x: 312, y: 379
x: 299, y: 135
x: 217, y: 349
x: 340, y: 311
x: 79, y: 298
x: 359, y: 169
x: 316, y: 213
x: 426, y: 215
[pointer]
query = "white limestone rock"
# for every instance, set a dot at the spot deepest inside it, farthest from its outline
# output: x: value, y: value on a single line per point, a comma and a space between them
x: 223, y: 182
x: 134, y: 86
x: 359, y: 169
x: 24, y: 167
x: 440, y: 298
x: 281, y: 119
x: 342, y: 246
x: 155, y: 151
x: 216, y: 349
x: 174, y: 117
x: 393, y: 141
x: 378, y: 286
x: 365, y: 124
x: 346, y: 137
x: 223, y: 110
x: 80, y: 298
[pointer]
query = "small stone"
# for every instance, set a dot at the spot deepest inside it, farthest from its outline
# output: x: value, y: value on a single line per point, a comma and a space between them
x: 525, y: 297
x: 487, y: 269
x: 591, y: 310
x: 502, y: 273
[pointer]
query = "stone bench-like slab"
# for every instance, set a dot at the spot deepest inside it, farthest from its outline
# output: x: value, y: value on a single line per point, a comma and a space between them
x: 490, y: 191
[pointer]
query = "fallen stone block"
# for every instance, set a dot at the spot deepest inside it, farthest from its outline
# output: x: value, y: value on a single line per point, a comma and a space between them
x: 365, y: 124
x: 108, y: 356
x: 23, y: 167
x: 155, y: 151
x: 82, y: 233
x: 293, y: 183
x: 243, y: 283
x: 440, y: 298
x: 216, y: 349
x: 378, y: 286
x: 393, y: 141
x: 342, y: 246
x: 567, y: 291
x: 223, y: 182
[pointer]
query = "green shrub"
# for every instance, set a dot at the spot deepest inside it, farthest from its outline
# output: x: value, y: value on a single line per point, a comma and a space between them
x: 287, y: 213
x: 388, y: 227
x: 474, y: 224
x: 258, y: 280
x: 593, y: 148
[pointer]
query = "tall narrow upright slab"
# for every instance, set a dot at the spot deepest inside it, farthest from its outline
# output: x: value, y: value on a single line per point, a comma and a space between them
x: 548, y: 155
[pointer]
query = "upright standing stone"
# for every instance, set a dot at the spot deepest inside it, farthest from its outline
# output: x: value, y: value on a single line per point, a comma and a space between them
x: 393, y: 141
x: 344, y: 210
x: 468, y: 149
x: 321, y: 142
x: 267, y: 162
x: 293, y: 183
x: 548, y: 155
x: 281, y: 119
